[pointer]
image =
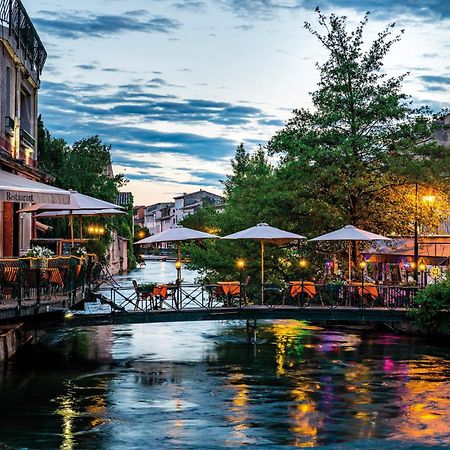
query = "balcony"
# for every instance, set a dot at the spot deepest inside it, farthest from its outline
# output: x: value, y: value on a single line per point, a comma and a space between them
x: 14, y: 17
x: 26, y: 139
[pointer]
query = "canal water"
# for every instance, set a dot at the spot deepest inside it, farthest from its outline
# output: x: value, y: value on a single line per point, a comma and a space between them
x: 200, y: 385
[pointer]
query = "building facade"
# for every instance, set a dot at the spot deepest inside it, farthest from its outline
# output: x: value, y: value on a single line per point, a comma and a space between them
x: 21, y: 62
x: 187, y: 204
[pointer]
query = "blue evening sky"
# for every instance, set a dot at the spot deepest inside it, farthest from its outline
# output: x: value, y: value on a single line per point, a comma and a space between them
x: 175, y: 85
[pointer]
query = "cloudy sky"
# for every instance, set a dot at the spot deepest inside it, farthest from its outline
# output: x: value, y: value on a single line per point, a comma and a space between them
x: 175, y: 85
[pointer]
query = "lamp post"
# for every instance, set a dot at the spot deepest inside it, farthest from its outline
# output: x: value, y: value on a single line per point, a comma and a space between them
x: 178, y: 265
x: 429, y: 200
x: 240, y: 263
x: 362, y: 265
x: 302, y: 264
x: 422, y: 269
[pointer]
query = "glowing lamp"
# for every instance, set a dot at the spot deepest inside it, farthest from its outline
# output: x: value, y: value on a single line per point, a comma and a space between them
x: 363, y: 265
x: 178, y: 264
x: 422, y: 267
x: 302, y: 263
x: 240, y: 263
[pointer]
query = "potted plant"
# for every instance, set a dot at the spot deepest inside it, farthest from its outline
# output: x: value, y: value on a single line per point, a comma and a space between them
x: 39, y: 257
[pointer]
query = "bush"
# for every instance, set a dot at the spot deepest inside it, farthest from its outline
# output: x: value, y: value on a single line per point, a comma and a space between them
x: 433, y: 308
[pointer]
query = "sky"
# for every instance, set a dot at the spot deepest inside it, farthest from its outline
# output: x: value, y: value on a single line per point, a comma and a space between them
x: 175, y: 85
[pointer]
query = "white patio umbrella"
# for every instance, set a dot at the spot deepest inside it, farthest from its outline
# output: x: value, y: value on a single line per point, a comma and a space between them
x: 350, y: 233
x: 80, y: 214
x: 77, y: 202
x: 178, y: 235
x: 265, y: 233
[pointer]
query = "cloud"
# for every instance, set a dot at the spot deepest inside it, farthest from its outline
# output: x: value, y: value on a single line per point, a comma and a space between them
x: 86, y: 66
x: 381, y: 9
x: 190, y: 5
x: 435, y: 79
x: 79, y: 24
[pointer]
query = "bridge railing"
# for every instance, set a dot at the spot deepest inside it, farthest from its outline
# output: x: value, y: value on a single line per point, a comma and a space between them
x: 31, y: 281
x: 214, y: 296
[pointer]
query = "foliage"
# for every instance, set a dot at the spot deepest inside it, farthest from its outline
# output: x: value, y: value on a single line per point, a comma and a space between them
x: 98, y: 248
x: 355, y: 158
x: 39, y: 252
x: 86, y: 168
x: 433, y: 312
x: 357, y: 155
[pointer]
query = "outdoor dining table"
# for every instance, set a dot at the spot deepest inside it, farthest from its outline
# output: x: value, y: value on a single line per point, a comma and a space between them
x: 307, y: 287
x: 230, y: 287
x: 370, y: 289
x: 55, y: 276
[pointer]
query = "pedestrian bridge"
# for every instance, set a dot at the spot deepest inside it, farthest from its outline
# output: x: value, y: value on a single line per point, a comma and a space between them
x: 192, y: 302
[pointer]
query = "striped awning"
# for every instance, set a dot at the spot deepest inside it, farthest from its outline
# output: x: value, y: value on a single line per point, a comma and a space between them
x: 17, y: 189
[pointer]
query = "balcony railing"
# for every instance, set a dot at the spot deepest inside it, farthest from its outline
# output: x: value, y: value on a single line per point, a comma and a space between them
x: 14, y: 16
x: 26, y: 139
x: 9, y: 126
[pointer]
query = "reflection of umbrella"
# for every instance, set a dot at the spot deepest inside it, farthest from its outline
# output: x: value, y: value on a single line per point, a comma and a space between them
x: 82, y: 213
x: 77, y: 202
x: 177, y: 234
x: 350, y: 233
x: 265, y: 233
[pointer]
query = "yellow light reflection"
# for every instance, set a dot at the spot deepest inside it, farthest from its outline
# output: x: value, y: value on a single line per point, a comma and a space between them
x: 426, y: 400
x: 239, y: 415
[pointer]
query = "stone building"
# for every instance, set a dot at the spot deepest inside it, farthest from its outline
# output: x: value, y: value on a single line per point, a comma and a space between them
x: 21, y: 62
x: 187, y: 204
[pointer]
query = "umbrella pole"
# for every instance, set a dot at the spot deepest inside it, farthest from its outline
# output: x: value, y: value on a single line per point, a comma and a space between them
x: 350, y: 261
x: 81, y: 227
x: 262, y: 272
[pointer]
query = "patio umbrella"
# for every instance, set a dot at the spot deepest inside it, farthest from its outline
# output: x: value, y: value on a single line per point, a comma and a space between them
x: 265, y: 233
x: 350, y: 233
x: 78, y: 202
x: 178, y: 235
x: 82, y: 213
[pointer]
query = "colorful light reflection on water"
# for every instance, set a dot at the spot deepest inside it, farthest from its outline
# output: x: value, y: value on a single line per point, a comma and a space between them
x: 201, y: 386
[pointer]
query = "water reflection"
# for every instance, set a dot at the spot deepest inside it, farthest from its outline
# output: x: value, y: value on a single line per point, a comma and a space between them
x: 202, y: 386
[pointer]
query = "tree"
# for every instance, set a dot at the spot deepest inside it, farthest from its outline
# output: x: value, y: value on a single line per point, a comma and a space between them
x: 353, y: 158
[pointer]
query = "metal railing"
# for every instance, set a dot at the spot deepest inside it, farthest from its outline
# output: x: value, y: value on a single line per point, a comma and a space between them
x: 15, y: 17
x: 31, y: 281
x: 27, y: 139
x: 212, y: 296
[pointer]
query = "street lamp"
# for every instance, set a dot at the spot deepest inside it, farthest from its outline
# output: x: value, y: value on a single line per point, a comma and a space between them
x: 362, y: 266
x: 303, y: 263
x: 240, y: 264
x: 422, y: 269
x: 178, y: 265
x: 429, y: 200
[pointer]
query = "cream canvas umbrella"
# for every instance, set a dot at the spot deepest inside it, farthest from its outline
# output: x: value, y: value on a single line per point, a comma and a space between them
x: 178, y: 235
x: 350, y: 233
x: 77, y: 202
x: 80, y: 214
x: 265, y: 233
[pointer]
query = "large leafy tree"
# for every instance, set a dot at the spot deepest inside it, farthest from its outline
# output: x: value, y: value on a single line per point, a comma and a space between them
x: 358, y: 153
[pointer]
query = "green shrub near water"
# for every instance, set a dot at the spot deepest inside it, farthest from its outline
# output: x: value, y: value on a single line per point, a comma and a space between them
x: 433, y: 312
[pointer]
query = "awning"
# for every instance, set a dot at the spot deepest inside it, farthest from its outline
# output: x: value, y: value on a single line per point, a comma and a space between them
x: 14, y: 188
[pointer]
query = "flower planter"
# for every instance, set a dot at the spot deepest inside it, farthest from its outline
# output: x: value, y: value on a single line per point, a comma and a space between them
x: 38, y: 263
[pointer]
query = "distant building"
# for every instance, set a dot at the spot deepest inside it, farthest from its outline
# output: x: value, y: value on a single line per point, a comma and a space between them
x: 22, y: 59
x: 153, y: 215
x: 187, y: 204
x: 138, y: 216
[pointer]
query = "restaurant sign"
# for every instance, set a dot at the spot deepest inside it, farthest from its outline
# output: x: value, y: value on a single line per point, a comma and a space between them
x: 19, y: 197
